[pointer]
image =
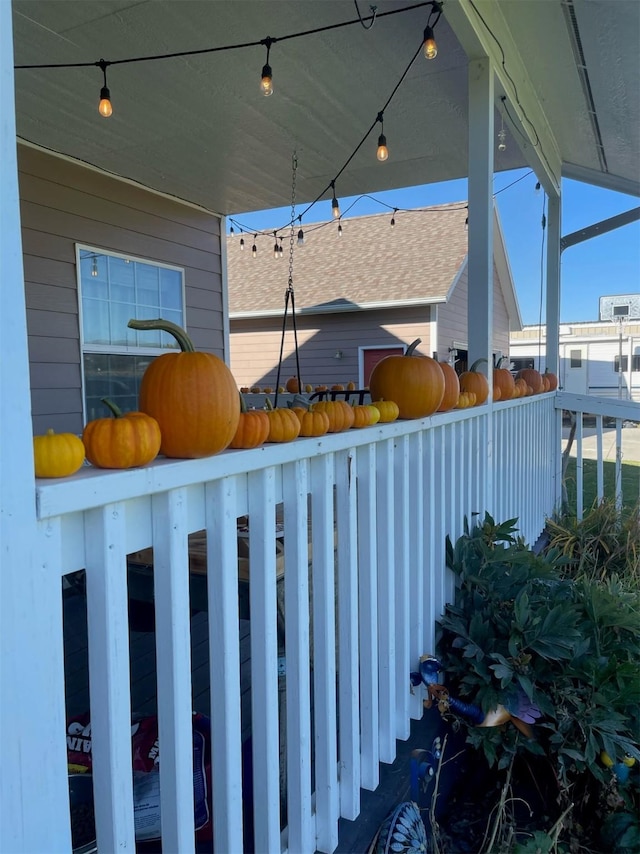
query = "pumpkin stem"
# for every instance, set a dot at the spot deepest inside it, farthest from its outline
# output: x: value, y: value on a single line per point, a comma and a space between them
x: 243, y: 402
x: 476, y: 363
x: 413, y: 346
x: 115, y: 409
x: 267, y: 404
x: 186, y: 344
x: 50, y: 432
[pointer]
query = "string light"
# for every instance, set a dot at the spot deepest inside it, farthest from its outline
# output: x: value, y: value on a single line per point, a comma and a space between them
x: 276, y: 254
x: 339, y: 229
x: 301, y: 238
x: 383, y: 152
x: 266, y: 80
x: 502, y: 135
x: 335, y: 207
x: 537, y: 186
x: 94, y: 266
x: 430, y: 47
x: 232, y: 231
x: 104, y: 107
x: 254, y: 248
x: 242, y: 243
x: 393, y: 218
x: 280, y: 249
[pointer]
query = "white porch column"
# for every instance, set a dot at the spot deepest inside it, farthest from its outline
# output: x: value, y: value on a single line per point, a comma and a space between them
x: 33, y: 774
x: 480, y: 299
x: 480, y: 285
x: 553, y: 284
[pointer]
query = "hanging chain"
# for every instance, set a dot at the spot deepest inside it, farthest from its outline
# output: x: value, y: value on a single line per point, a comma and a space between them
x: 294, y: 169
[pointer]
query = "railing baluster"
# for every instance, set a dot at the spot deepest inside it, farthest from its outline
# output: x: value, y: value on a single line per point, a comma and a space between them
x: 173, y: 657
x: 599, y: 460
x: 324, y: 654
x: 368, y: 608
x: 432, y: 506
x: 579, y: 472
x: 385, y: 524
x: 224, y: 662
x: 264, y: 661
x: 618, y: 464
x: 401, y: 586
x: 108, y: 630
x: 298, y: 657
x: 418, y: 564
x: 348, y: 688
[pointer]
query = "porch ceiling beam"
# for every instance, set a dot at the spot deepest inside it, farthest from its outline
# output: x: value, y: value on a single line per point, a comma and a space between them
x: 483, y: 31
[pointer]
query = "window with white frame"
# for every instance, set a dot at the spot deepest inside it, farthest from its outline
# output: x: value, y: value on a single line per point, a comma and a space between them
x: 114, y: 288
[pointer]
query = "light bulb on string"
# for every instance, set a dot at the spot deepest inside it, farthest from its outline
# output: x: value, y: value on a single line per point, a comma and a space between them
x: 393, y: 218
x: 502, y: 134
x: 266, y: 77
x: 430, y: 47
x: 232, y: 231
x: 241, y: 244
x: 335, y: 207
x: 280, y: 249
x: 301, y: 238
x: 383, y: 152
x: 276, y: 254
x: 94, y: 266
x: 104, y: 107
x: 339, y: 230
x: 254, y: 248
x: 537, y: 188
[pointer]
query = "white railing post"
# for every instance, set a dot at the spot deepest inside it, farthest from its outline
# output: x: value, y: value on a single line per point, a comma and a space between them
x: 34, y: 803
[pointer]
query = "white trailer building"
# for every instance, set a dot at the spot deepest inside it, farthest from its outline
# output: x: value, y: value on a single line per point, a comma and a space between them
x: 591, y: 354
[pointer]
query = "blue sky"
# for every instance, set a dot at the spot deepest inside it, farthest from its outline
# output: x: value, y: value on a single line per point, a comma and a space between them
x: 609, y: 264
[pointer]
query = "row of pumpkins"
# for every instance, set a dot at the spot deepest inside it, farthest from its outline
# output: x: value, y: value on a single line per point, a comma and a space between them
x: 190, y: 408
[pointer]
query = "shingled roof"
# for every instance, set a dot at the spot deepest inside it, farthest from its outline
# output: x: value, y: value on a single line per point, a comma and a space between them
x: 370, y: 266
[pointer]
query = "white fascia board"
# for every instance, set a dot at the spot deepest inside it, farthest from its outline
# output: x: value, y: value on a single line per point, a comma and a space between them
x: 313, y: 310
x: 601, y: 179
x: 480, y: 39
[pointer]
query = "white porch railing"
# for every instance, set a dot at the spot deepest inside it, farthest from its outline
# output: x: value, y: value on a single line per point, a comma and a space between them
x: 395, y: 492
x: 601, y: 411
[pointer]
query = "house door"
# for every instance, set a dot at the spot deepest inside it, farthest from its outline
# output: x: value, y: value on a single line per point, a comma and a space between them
x: 370, y: 356
x: 575, y: 368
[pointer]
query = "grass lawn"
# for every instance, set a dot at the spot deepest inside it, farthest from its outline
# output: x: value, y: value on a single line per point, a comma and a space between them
x: 630, y: 482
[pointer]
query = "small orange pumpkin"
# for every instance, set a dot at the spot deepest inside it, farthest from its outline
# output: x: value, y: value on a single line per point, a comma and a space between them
x: 475, y: 382
x: 340, y: 414
x: 552, y: 379
x: 284, y: 425
x: 363, y: 415
x: 57, y: 454
x: 122, y: 442
x: 351, y: 386
x: 308, y: 388
x: 451, y: 387
x: 193, y: 397
x: 388, y: 410
x: 415, y: 382
x: 253, y: 427
x: 523, y: 388
x: 313, y: 422
x: 293, y: 385
x: 503, y: 380
x: 532, y: 378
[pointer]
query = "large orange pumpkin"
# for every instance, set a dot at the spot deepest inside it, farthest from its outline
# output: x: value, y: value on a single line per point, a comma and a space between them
x: 340, y: 414
x: 121, y: 442
x: 193, y: 397
x: 552, y: 379
x: 475, y: 382
x: 503, y: 380
x: 451, y: 387
x: 532, y: 378
x: 415, y: 382
x: 253, y: 427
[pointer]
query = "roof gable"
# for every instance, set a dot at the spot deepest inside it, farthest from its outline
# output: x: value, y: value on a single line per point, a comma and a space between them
x: 369, y: 266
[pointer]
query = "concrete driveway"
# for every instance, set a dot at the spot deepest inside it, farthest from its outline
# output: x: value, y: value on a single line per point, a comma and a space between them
x: 630, y: 443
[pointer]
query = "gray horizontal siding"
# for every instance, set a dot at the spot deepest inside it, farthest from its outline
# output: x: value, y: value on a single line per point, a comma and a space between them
x: 255, y: 344
x: 63, y: 203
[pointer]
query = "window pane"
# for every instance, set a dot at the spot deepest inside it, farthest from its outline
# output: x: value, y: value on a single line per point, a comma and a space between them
x: 170, y: 290
x: 121, y: 314
x: 95, y: 321
x: 114, y: 376
x: 122, y: 280
x: 576, y: 358
x: 148, y: 285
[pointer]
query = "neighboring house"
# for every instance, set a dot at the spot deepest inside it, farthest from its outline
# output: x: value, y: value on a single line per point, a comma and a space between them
x: 360, y: 296
x: 589, y: 357
x: 97, y: 251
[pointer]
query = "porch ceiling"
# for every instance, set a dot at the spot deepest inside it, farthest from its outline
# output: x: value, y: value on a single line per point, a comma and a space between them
x: 198, y: 128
